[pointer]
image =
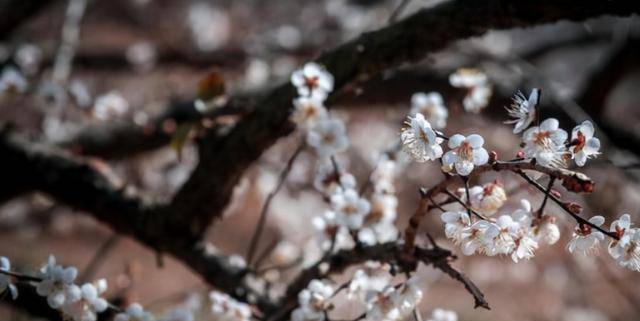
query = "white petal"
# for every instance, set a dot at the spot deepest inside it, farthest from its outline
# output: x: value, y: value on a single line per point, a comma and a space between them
x: 597, y: 220
x: 480, y: 156
x: 550, y: 124
x: 464, y: 168
x: 475, y: 140
x: 455, y: 140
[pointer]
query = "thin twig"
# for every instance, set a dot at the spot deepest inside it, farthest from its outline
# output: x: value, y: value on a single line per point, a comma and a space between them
x: 99, y: 257
x: 265, y: 208
x: 469, y: 209
x: 466, y: 190
x: 546, y: 197
x: 564, y: 206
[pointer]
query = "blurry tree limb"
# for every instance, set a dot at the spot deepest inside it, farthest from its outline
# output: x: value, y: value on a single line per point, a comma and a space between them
x: 127, y: 139
x: 386, y: 252
x: 15, y: 12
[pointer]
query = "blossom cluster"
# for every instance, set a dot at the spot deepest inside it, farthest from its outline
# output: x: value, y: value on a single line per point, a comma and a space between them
x: 478, y: 86
x: 373, y: 218
x: 478, y: 228
x: 624, y: 248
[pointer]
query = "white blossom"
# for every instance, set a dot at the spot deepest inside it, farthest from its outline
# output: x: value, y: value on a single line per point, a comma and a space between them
x: 626, y: 251
x: 456, y: 224
x: 350, y: 208
x: 431, y: 106
x: 486, y: 199
x: 546, y: 143
x: 210, y: 26
x: 313, y: 301
x: 583, y: 144
x: 5, y: 280
x: 443, y: 315
x: 368, y: 281
x: 392, y: 304
x: 308, y: 111
x: 328, y: 181
x: 419, y: 140
x: 328, y: 137
x: 134, y: 312
x: 501, y: 235
x: 11, y: 80
x: 110, y: 105
x: 477, y: 98
x: 465, y: 153
x: 546, y: 230
x: 477, y: 82
x: 479, y: 238
x: 585, y: 238
x: 28, y: 57
x: 523, y: 110
x: 226, y: 308
x: 327, y: 229
x: 57, y: 284
x: 312, y: 80
x: 89, y: 304
x: 467, y: 78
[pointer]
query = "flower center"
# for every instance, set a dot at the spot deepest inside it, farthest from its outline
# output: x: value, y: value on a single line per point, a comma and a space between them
x: 311, y: 82
x: 542, y: 137
x: 465, y: 151
x: 579, y: 142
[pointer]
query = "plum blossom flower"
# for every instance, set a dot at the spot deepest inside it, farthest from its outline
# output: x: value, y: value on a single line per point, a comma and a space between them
x: 431, y: 106
x: 443, y: 315
x: 308, y: 111
x: 134, y: 312
x: 479, y: 238
x: 313, y: 301
x: 455, y: 225
x: 546, y: 230
x: 110, y: 105
x: 477, y: 82
x: 57, y: 284
x: 465, y: 153
x: 328, y: 181
x: 477, y: 98
x: 523, y: 110
x: 525, y: 245
x: 546, y: 143
x: 583, y: 144
x: 585, y: 239
x: 5, y: 280
x: 226, y: 308
x: 384, y: 306
x: 368, y: 281
x: 312, y: 80
x: 350, y: 208
x: 328, y: 137
x: 379, y: 225
x: 501, y: 235
x: 11, y: 80
x: 467, y: 78
x: 89, y: 304
x: 486, y: 199
x: 626, y: 251
x: 328, y: 229
x: 419, y: 140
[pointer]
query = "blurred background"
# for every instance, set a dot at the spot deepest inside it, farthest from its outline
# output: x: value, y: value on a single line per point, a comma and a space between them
x: 141, y: 55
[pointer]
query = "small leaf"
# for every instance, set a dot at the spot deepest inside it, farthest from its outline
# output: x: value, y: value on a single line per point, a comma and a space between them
x: 180, y: 138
